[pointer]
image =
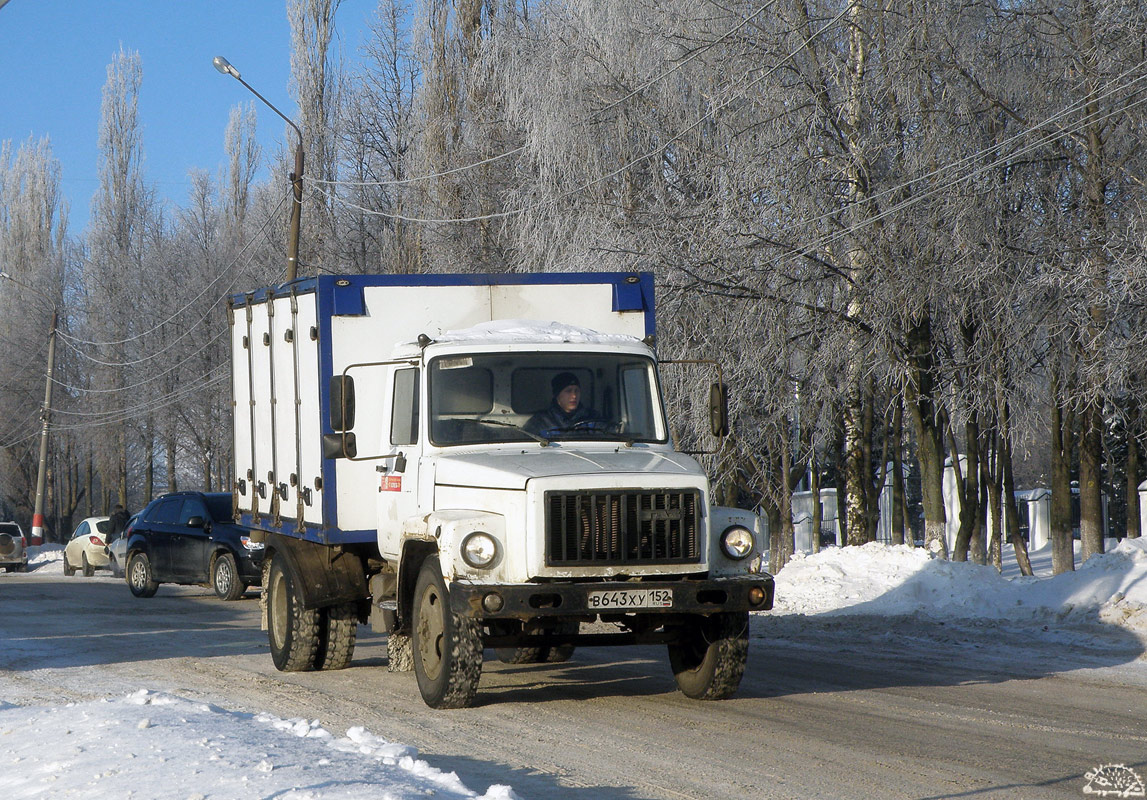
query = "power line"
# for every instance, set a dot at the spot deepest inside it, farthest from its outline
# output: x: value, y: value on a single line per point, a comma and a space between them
x: 652, y: 153
x: 222, y: 273
x: 598, y: 112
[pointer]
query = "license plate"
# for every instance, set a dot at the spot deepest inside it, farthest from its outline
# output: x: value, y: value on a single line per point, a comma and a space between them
x: 631, y: 598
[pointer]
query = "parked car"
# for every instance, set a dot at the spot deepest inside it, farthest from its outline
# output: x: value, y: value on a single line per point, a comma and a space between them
x: 192, y: 538
x: 117, y: 547
x: 13, y: 547
x: 86, y: 550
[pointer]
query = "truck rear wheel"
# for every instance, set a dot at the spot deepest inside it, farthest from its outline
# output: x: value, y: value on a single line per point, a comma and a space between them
x: 293, y: 630
x: 447, y: 647
x: 709, y: 658
x: 338, y: 630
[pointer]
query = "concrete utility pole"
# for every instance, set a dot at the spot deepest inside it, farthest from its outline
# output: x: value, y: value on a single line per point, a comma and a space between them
x: 42, y: 471
x: 296, y: 177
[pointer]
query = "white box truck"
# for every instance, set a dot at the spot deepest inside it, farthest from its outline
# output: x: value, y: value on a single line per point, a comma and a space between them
x: 406, y: 448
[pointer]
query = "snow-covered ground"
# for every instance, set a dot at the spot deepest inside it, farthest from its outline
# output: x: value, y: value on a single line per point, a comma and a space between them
x: 154, y: 745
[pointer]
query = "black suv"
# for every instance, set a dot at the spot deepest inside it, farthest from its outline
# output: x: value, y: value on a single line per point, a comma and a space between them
x: 191, y: 537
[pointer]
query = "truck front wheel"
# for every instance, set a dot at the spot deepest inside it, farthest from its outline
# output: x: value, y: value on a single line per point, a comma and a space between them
x: 447, y: 647
x: 709, y: 658
x: 292, y: 629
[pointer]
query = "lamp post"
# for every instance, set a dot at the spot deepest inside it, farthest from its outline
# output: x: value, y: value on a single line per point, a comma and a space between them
x: 224, y: 66
x: 37, y: 537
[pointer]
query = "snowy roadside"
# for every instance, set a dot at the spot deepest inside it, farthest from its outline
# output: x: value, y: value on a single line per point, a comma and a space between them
x: 881, y: 580
x: 110, y: 747
x: 157, y: 746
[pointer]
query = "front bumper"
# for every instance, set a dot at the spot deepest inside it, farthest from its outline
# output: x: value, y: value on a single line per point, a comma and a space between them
x: 533, y: 600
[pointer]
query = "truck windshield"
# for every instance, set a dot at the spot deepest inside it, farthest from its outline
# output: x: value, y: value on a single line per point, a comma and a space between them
x: 488, y: 398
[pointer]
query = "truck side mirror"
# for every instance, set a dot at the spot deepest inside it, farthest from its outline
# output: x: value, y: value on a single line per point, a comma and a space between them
x: 342, y: 402
x: 333, y: 445
x: 719, y: 409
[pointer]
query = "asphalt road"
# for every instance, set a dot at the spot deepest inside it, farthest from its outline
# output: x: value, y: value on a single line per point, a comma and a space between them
x: 862, y: 708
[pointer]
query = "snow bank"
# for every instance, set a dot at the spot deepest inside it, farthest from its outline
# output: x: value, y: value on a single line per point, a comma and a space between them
x: 162, y: 747
x: 878, y: 579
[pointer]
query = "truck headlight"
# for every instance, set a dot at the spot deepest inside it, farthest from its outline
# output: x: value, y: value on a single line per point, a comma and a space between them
x: 737, y: 542
x: 479, y: 549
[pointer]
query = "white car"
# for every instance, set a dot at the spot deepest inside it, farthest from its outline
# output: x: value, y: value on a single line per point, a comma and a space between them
x: 87, y: 550
x: 117, y: 548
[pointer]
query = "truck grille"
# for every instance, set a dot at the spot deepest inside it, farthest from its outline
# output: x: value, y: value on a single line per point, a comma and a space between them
x: 625, y: 527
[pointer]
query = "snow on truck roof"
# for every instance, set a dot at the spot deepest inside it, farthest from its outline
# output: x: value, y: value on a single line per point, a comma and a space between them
x: 510, y: 331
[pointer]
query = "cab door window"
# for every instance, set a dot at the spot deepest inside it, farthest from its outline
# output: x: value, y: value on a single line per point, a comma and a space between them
x: 404, y: 408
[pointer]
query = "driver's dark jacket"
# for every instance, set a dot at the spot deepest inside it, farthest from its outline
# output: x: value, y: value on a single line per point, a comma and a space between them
x: 553, y: 420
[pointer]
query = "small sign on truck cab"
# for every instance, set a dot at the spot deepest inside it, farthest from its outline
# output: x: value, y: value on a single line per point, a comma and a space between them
x: 436, y: 457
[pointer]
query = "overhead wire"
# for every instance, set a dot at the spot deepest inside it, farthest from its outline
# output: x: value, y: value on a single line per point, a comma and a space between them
x: 102, y: 418
x: 145, y: 381
x: 187, y: 329
x: 973, y: 157
x: 716, y: 109
x: 597, y: 112
x: 858, y: 225
x: 712, y: 112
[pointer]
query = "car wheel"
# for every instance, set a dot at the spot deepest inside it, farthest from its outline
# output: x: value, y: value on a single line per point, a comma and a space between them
x: 87, y: 568
x: 225, y: 578
x: 709, y: 658
x: 139, y: 576
x: 293, y: 629
x: 447, y: 646
x: 117, y: 571
x: 69, y: 570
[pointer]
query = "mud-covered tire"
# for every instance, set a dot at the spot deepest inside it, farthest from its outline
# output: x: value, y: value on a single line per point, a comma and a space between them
x: 540, y: 655
x: 447, y: 647
x: 85, y: 566
x: 225, y: 578
x: 521, y: 655
x: 338, y: 630
x: 292, y: 629
x: 139, y: 576
x: 69, y: 570
x: 399, y: 652
x: 559, y: 654
x: 708, y: 660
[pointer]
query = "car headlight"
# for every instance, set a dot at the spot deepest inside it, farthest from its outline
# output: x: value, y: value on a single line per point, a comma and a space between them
x: 479, y: 549
x: 737, y: 542
x: 249, y: 544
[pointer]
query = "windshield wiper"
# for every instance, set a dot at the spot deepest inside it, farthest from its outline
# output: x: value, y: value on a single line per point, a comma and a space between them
x: 544, y: 441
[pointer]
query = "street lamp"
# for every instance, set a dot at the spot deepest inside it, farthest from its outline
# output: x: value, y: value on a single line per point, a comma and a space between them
x: 224, y: 66
x: 37, y: 537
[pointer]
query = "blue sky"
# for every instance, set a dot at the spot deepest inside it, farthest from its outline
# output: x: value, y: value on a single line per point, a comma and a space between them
x: 53, y: 64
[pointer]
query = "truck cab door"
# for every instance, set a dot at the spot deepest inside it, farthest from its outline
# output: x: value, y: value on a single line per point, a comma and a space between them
x: 398, y: 476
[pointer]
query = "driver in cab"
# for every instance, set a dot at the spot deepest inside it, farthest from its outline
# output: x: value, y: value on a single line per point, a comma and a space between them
x: 566, y: 412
